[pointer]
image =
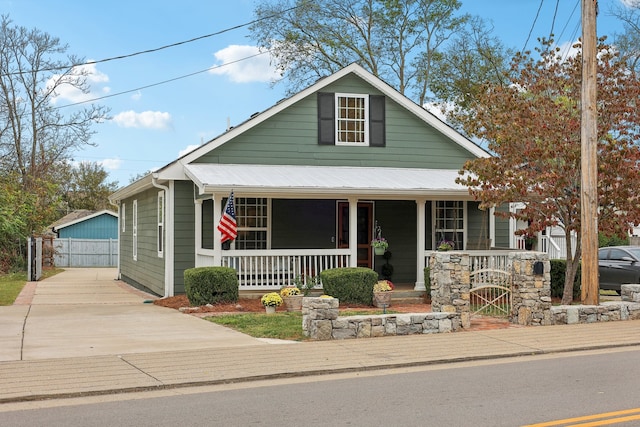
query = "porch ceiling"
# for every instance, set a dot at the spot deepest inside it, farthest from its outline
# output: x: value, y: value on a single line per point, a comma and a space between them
x: 325, y: 180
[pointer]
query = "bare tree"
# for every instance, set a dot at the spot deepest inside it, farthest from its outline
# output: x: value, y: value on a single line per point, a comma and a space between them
x: 35, y: 135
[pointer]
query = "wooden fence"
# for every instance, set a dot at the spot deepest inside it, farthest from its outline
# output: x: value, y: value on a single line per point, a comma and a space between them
x: 69, y: 252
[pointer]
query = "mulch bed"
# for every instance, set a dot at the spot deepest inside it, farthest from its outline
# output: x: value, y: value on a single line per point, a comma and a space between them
x: 253, y: 305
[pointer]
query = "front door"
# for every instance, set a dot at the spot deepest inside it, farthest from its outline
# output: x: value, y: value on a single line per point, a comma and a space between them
x: 365, y: 231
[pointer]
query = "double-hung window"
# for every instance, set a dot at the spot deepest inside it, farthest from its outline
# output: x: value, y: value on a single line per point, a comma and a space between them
x: 352, y: 119
x: 252, y: 218
x: 449, y: 222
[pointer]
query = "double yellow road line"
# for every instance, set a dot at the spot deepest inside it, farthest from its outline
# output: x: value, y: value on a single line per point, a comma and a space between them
x: 603, y: 419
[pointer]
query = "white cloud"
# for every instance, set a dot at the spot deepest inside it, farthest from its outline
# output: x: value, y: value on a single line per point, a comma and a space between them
x: 136, y: 96
x: 66, y: 92
x: 254, y: 69
x: 631, y: 3
x: 146, y: 120
x: 188, y: 149
x: 111, y: 164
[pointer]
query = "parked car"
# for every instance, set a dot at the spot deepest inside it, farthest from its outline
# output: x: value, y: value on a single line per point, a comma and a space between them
x: 618, y: 265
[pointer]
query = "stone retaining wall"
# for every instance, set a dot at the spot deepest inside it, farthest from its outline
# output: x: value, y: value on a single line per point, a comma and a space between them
x: 320, y: 321
x: 605, y: 312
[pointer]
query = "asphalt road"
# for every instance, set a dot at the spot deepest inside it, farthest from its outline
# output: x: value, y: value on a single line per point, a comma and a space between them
x: 508, y: 392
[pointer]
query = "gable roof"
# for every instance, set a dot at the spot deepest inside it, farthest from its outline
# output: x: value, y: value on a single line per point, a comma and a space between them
x: 356, y: 69
x: 176, y: 170
x: 78, y: 216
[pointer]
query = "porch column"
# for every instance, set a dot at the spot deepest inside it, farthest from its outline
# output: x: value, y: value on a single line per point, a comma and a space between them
x: 353, y: 231
x: 421, y: 229
x: 217, y: 214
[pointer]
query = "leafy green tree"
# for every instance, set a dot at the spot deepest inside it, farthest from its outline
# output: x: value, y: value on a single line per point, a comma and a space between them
x: 472, y: 58
x: 532, y: 124
x: 88, y: 187
x: 396, y: 40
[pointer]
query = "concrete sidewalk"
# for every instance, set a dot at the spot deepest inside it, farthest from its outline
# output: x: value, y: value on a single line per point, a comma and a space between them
x: 69, y: 377
x: 65, y: 338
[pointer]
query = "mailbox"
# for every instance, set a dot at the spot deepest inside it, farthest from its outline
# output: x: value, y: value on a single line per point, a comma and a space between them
x: 538, y: 267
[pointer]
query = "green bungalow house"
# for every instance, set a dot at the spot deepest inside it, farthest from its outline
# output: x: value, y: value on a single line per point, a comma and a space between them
x: 313, y: 178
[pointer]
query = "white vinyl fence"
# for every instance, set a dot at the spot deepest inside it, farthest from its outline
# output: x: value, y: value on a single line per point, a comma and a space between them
x: 70, y: 252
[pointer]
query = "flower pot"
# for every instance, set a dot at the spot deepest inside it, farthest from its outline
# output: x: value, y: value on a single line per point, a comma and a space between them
x: 293, y: 302
x: 382, y: 299
x: 379, y: 251
x: 270, y: 309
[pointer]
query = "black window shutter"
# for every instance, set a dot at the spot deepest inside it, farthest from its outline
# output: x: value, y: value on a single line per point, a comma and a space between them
x: 326, y: 119
x: 377, y: 133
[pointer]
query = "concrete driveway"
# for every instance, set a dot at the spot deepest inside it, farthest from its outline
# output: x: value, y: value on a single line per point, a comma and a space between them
x: 87, y: 312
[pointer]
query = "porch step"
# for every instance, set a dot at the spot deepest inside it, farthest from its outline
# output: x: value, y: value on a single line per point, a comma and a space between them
x: 408, y: 297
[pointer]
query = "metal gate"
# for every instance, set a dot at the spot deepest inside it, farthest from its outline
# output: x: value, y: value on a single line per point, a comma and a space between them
x: 34, y: 255
x: 490, y: 293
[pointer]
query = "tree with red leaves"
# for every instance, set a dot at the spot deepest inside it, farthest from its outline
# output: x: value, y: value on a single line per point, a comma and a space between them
x: 532, y: 126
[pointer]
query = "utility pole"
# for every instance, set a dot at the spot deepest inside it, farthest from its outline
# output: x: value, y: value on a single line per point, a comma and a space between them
x: 589, y: 161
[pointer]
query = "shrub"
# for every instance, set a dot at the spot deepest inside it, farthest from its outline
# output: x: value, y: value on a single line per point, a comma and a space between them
x: 427, y: 281
x: 210, y: 285
x: 353, y: 285
x: 558, y: 268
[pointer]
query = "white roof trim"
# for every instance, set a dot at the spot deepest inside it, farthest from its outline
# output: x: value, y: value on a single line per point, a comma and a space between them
x: 327, y: 181
x: 84, y: 218
x: 169, y: 171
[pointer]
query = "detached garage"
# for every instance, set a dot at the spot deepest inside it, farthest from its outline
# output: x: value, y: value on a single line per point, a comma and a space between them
x: 86, y: 239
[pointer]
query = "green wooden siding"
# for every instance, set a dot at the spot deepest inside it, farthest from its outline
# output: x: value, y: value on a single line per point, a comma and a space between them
x: 303, y: 224
x: 398, y: 218
x: 184, y: 232
x: 477, y: 226
x: 502, y: 228
x: 207, y: 224
x: 148, y: 270
x: 291, y: 137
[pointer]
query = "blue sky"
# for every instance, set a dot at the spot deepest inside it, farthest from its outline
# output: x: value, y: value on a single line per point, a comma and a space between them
x: 152, y: 126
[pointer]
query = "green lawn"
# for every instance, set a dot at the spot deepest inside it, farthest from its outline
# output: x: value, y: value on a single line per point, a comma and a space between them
x: 11, y: 284
x: 281, y: 325
x: 10, y: 287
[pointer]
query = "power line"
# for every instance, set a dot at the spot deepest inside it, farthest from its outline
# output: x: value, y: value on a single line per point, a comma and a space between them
x: 533, y: 25
x: 164, y: 81
x: 114, y: 58
x: 553, y: 22
x: 569, y: 19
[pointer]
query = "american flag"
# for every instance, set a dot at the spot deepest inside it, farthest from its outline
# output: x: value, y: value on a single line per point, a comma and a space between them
x: 228, y: 225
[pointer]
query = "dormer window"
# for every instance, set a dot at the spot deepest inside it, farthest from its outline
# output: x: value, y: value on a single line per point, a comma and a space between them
x: 351, y: 119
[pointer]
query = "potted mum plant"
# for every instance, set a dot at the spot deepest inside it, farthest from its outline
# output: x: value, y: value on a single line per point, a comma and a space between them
x: 382, y: 292
x: 270, y: 301
x: 292, y: 298
x: 446, y: 245
x: 379, y: 245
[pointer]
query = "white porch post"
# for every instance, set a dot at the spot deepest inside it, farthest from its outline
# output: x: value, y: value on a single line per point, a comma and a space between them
x: 217, y: 214
x: 353, y: 231
x: 421, y: 230
x: 492, y: 226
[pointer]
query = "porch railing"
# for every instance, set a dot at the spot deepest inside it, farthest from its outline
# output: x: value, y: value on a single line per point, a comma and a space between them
x: 272, y: 269
x: 482, y: 260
